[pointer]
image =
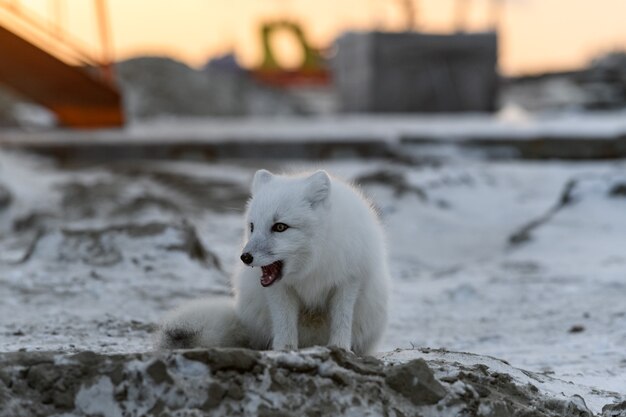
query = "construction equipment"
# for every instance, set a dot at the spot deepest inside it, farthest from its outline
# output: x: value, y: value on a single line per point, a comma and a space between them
x: 313, y: 69
x: 50, y: 69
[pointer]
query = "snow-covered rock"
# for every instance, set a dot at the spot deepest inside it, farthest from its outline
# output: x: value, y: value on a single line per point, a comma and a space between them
x: 317, y: 381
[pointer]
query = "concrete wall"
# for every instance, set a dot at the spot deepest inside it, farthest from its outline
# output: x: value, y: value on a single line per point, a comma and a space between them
x: 413, y: 72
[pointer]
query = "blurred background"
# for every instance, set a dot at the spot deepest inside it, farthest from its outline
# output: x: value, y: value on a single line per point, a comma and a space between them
x: 110, y: 63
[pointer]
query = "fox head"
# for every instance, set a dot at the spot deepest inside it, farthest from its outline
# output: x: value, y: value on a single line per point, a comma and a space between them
x: 285, y: 215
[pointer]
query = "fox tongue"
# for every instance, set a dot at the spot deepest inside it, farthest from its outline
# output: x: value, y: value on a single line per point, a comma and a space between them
x: 271, y: 273
x: 267, y: 280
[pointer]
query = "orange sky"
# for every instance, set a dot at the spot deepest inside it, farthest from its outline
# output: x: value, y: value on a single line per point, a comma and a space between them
x: 535, y: 34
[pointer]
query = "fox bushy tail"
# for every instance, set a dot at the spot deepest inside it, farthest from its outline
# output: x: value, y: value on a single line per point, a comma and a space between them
x: 210, y: 322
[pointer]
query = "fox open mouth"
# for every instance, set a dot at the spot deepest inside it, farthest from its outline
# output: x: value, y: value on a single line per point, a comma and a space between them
x: 271, y: 273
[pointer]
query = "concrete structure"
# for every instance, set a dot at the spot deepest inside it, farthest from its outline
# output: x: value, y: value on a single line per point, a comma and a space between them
x: 414, y: 72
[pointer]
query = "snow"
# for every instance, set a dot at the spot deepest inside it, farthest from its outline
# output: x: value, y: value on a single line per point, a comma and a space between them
x: 509, y: 124
x: 98, y: 399
x: 465, y: 288
x: 602, y: 124
x: 458, y: 282
x: 554, y: 387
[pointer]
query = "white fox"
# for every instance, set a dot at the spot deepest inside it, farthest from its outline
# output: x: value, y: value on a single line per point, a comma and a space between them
x: 319, y: 273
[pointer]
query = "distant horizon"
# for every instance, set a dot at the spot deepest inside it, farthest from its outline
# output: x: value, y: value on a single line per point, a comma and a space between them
x: 535, y: 36
x: 198, y: 64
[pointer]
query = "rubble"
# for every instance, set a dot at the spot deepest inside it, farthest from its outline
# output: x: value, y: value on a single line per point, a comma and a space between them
x: 316, y: 381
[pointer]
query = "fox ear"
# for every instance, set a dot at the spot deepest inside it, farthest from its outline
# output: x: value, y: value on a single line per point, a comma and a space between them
x: 317, y: 187
x: 262, y: 176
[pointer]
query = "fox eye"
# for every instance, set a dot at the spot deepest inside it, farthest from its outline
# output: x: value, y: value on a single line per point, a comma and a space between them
x: 279, y: 227
x: 251, y: 227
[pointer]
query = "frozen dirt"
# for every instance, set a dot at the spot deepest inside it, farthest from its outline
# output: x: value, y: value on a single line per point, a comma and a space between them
x: 525, y: 262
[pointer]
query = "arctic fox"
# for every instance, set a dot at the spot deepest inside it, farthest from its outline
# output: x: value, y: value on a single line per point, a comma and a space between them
x: 315, y: 273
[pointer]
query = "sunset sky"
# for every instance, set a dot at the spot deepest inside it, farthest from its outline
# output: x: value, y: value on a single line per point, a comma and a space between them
x: 536, y: 35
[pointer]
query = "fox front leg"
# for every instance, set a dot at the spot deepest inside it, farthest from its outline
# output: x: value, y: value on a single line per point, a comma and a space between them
x: 283, y: 307
x: 341, y: 315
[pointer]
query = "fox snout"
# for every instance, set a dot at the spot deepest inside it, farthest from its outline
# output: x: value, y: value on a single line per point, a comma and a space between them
x: 257, y: 252
x: 247, y: 258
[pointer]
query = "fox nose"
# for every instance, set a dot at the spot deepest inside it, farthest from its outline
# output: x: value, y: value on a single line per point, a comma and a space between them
x: 246, y: 258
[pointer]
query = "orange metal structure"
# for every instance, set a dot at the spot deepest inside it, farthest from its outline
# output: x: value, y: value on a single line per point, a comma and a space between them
x: 77, y: 97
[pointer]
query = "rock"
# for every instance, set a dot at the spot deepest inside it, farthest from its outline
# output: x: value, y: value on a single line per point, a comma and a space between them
x: 216, y: 393
x: 42, y: 377
x: 5, y: 197
x: 158, y: 372
x: 614, y: 410
x: 312, y: 382
x: 618, y: 190
x: 242, y: 360
x: 577, y: 328
x: 574, y: 406
x: 416, y: 382
x: 362, y: 365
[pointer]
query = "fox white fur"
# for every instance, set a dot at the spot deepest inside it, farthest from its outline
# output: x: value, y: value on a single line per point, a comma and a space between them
x: 335, y: 280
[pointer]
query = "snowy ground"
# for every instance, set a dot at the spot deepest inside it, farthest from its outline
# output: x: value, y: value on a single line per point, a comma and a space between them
x: 522, y: 261
x: 510, y: 123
